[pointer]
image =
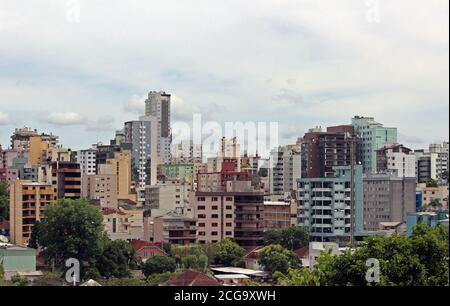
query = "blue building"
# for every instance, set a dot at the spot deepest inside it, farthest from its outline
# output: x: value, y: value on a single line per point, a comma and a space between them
x: 419, y: 201
x: 433, y: 219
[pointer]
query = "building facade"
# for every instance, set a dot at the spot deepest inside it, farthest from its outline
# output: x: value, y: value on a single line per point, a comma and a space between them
x: 398, y: 159
x: 187, y: 152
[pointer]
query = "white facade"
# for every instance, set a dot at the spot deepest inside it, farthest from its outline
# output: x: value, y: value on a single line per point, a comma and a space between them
x: 87, y: 161
x: 402, y: 163
x: 158, y: 105
x: 170, y: 197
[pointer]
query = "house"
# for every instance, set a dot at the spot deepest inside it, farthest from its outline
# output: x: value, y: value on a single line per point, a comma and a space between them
x: 4, y: 228
x: 232, y: 279
x: 17, y: 260
x: 192, y: 279
x: 145, y: 250
x: 303, y: 255
x: 252, y: 259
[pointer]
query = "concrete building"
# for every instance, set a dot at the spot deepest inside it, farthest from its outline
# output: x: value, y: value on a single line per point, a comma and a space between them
x: 158, y: 106
x: 20, y: 140
x: 66, y: 179
x: 432, y: 194
x: 387, y: 198
x: 27, y: 205
x: 228, y: 207
x: 122, y: 224
x: 279, y: 215
x: 121, y: 166
x: 373, y: 136
x: 433, y: 219
x: 143, y: 136
x: 171, y: 196
x: 325, y: 205
x: 175, y: 229
x: 100, y: 188
x: 187, y: 152
x: 180, y: 171
x: 396, y: 158
x: 433, y: 164
x: 284, y: 171
x: 18, y: 261
x: 442, y: 161
x: 322, y: 151
x: 87, y: 160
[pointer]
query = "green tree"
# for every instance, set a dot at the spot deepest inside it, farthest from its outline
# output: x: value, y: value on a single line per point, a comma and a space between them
x: 50, y: 279
x: 4, y: 201
x: 158, y: 279
x: 275, y: 258
x: 295, y: 238
x: 20, y: 281
x: 272, y: 237
x: 228, y: 253
x: 432, y: 183
x: 299, y: 277
x: 190, y: 257
x: 2, y: 273
x: 117, y: 259
x: 159, y: 265
x: 72, y: 229
x: 122, y: 282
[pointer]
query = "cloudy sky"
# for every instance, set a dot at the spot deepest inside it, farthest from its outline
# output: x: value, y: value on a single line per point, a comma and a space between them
x: 81, y: 68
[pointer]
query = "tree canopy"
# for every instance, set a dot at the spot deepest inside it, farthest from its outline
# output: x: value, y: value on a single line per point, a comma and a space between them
x: 228, y: 253
x: 275, y: 258
x: 292, y: 238
x: 4, y: 201
x: 159, y: 265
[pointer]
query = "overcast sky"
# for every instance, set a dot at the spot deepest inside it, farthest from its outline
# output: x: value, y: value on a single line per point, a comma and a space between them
x: 79, y: 69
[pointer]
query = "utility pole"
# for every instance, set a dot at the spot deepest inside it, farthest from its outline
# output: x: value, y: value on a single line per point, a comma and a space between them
x: 352, y: 191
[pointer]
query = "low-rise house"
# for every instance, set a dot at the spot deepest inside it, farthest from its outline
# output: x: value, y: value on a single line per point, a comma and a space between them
x: 252, y: 259
x: 17, y: 260
x: 192, y: 279
x: 145, y: 250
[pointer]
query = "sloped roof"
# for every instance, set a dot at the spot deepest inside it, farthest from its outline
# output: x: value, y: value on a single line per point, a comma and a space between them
x: 192, y: 279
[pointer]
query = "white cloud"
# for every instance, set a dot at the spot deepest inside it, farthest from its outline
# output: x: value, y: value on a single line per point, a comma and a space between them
x: 62, y: 119
x: 136, y: 104
x: 4, y: 119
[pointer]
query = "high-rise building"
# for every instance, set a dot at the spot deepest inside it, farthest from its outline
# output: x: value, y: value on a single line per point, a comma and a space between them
x: 66, y: 179
x: 87, y: 160
x: 121, y: 166
x: 142, y: 136
x: 398, y: 159
x: 158, y: 105
x: 284, y: 170
x: 187, y: 152
x: 101, y: 188
x: 27, y: 205
x: 432, y: 165
x: 387, y: 198
x: 20, y: 140
x: 170, y: 196
x: 228, y: 207
x: 280, y: 215
x: 325, y: 205
x: 373, y: 136
x: 322, y: 151
x: 442, y: 161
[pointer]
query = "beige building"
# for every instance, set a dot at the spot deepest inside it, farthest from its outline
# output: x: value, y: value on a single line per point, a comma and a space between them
x: 101, y: 188
x: 43, y: 149
x: 170, y: 196
x: 27, y: 205
x: 172, y: 228
x: 120, y: 166
x: 122, y: 224
x: 433, y: 193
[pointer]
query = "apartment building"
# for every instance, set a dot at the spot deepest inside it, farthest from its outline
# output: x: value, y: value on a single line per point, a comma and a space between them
x: 187, y: 152
x: 396, y: 158
x: 175, y: 229
x: 121, y: 166
x: 387, y: 198
x: 27, y: 205
x: 428, y: 195
x: 123, y: 224
x: 279, y: 215
x: 322, y: 151
x: 158, y: 105
x: 284, y: 170
x: 87, y: 160
x: 66, y: 179
x: 170, y: 196
x: 325, y: 205
x: 101, y: 189
x: 228, y: 208
x: 373, y: 136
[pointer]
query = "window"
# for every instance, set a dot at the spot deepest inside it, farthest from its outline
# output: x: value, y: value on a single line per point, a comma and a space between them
x: 215, y: 208
x: 215, y: 216
x: 229, y: 199
x: 229, y: 216
x: 201, y: 207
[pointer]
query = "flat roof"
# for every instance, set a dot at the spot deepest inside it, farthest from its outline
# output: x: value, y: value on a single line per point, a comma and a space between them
x: 233, y: 270
x: 231, y: 276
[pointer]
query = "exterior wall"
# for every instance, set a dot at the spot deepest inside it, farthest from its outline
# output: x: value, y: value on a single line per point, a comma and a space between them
x: 429, y: 194
x: 277, y: 215
x: 123, y: 224
x: 387, y: 198
x: 174, y: 229
x: 169, y: 197
x: 27, y: 205
x: 284, y: 170
x: 87, y: 161
x: 102, y: 188
x: 180, y: 171
x: 17, y: 259
x: 121, y: 167
x: 187, y: 153
x: 373, y: 136
x: 325, y: 205
x: 66, y: 179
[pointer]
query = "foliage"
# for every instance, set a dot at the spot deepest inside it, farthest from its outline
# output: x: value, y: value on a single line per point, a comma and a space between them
x: 228, y: 253
x: 275, y: 258
x: 432, y: 183
x: 122, y: 282
x: 4, y: 201
x: 72, y: 229
x: 2, y: 273
x: 50, y: 279
x: 420, y: 260
x: 117, y: 259
x: 159, y: 265
x: 190, y: 257
x: 20, y: 281
x: 157, y: 279
x: 292, y: 238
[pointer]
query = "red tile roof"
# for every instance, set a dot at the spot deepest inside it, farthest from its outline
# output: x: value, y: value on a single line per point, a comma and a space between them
x: 192, y: 279
x: 140, y: 244
x: 110, y: 211
x: 303, y: 252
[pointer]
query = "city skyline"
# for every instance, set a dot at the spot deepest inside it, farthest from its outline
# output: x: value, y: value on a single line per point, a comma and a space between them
x: 80, y: 69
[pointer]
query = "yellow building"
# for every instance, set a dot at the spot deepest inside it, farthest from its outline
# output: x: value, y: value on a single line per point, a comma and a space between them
x: 27, y: 205
x: 44, y: 149
x: 120, y: 165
